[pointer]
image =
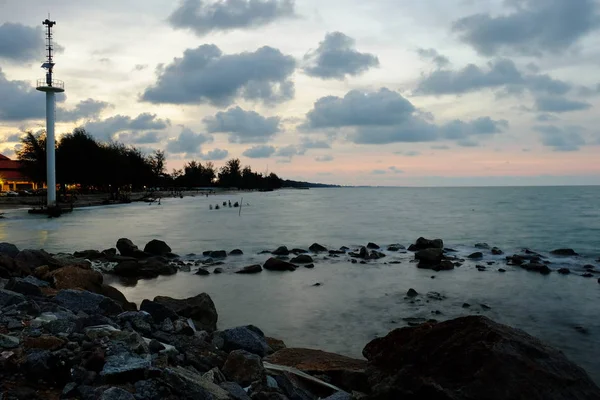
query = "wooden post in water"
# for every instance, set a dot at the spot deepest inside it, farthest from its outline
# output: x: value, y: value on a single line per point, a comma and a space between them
x: 241, y: 204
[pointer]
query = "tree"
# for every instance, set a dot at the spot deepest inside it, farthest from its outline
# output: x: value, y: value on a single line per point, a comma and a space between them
x: 230, y: 174
x: 32, y: 156
x: 159, y: 170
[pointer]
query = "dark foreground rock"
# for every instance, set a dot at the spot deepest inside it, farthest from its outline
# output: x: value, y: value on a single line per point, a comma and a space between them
x: 200, y: 309
x: 423, y: 243
x: 157, y: 248
x: 275, y: 264
x: 317, y: 248
x: 471, y: 358
x: 564, y: 252
x: 250, y: 269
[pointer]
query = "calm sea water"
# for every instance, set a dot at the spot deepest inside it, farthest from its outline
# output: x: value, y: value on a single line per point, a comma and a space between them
x: 355, y: 302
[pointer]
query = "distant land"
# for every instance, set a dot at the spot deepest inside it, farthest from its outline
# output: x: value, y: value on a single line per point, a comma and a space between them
x: 299, y: 184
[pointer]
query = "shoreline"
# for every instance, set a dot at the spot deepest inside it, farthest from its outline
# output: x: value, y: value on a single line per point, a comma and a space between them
x: 67, y: 334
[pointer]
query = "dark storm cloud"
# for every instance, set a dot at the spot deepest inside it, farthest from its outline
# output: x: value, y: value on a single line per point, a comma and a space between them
x: 206, y: 75
x: 202, y: 17
x: 243, y: 126
x: 336, y: 58
x: 215, y: 155
x: 19, y: 101
x: 531, y: 28
x: 385, y: 116
x: 23, y: 43
x: 559, y: 104
x: 432, y: 54
x: 188, y: 143
x: 259, y: 152
x: 89, y: 108
x: 561, y: 139
x: 105, y: 129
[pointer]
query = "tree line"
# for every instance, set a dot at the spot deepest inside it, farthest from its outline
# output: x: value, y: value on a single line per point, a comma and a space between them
x: 111, y: 167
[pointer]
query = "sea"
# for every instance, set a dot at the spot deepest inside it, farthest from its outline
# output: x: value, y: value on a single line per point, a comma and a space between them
x: 355, y: 303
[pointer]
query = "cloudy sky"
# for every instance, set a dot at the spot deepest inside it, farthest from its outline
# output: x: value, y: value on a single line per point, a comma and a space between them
x: 381, y: 92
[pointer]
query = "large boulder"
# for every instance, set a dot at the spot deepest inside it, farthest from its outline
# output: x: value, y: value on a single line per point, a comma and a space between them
x: 244, y: 368
x: 250, y: 269
x: 248, y: 338
x: 281, y: 251
x: 157, y: 248
x: 29, y: 286
x: 37, y: 258
x: 89, y: 254
x: 429, y: 257
x: 564, y: 252
x: 200, y: 309
x: 423, y: 243
x: 88, y: 302
x: 76, y: 278
x: 116, y: 295
x: 126, y: 247
x: 9, y: 249
x: 9, y: 267
x: 317, y: 248
x: 302, y: 259
x: 471, y: 358
x: 275, y: 264
x: 345, y: 372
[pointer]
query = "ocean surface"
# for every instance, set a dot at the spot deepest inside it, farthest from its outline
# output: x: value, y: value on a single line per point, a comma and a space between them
x: 356, y: 302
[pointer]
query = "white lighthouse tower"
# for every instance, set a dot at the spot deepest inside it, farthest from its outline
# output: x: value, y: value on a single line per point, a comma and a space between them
x: 50, y: 86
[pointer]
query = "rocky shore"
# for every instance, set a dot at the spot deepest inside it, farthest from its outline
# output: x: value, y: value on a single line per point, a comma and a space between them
x: 65, y: 334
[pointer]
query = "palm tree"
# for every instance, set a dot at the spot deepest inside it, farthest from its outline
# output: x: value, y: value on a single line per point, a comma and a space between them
x: 32, y: 156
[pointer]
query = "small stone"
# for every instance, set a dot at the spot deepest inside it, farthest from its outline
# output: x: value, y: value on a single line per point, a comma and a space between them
x: 501, y: 270
x: 564, y: 252
x: 202, y: 271
x: 485, y: 307
x: 218, y: 270
x: 588, y: 275
x: 309, y: 266
x: 412, y: 293
x: 302, y: 259
x: 475, y: 255
x: 250, y: 269
x: 317, y: 284
x: 373, y: 246
x: 9, y: 342
x: 466, y: 305
x: 236, y: 252
x: 564, y: 271
x: 155, y: 346
x: 115, y: 393
x: 317, y: 248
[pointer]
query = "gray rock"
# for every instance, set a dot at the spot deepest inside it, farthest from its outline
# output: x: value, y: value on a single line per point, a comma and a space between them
x: 248, y: 338
x: 202, y: 271
x: 251, y: 269
x: 412, y: 293
x: 428, y: 257
x: 190, y: 385
x: 28, y: 287
x: 90, y: 303
x: 215, y: 376
x: 395, y: 247
x: 423, y: 243
x: 475, y: 255
x: 373, y: 246
x: 218, y: 254
x: 125, y: 367
x: 339, y: 396
x: 496, y: 251
x: 244, y: 367
x: 564, y: 271
x: 9, y: 342
x: 9, y: 249
x: 235, y: 390
x: 115, y: 393
x: 149, y: 390
x: 274, y: 264
x: 159, y: 312
x: 200, y: 309
x: 37, y: 258
x: 218, y: 270
x: 8, y: 298
x: 155, y: 346
x: 564, y: 252
x: 69, y: 391
x: 483, y: 246
x: 236, y: 252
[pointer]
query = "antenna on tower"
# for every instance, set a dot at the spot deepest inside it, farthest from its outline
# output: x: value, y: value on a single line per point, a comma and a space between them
x: 49, y: 64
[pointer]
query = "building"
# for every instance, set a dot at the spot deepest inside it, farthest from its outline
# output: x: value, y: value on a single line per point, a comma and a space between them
x: 11, y: 177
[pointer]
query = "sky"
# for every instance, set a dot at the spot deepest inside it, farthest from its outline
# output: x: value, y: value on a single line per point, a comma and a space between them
x: 381, y: 92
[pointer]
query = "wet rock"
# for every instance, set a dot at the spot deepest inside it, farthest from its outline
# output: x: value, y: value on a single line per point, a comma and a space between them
x: 309, y: 266
x: 116, y: 393
x: 202, y: 271
x: 157, y: 248
x: 564, y: 271
x: 88, y: 302
x: 429, y: 257
x: 317, y: 248
x: 298, y: 251
x: 9, y: 249
x: 339, y: 396
x: 251, y: 269
x: 149, y: 268
x: 281, y: 251
x: 395, y: 247
x: 483, y: 246
x: 564, y: 252
x: 353, y: 261
x: 302, y: 259
x: 155, y: 346
x: 126, y: 247
x: 345, y: 372
x: 218, y: 254
x: 475, y: 255
x: 480, y: 268
x: 188, y: 384
x: 244, y: 368
x: 466, y: 305
x: 496, y: 251
x: 444, y: 265
x: 422, y: 244
x: 426, y: 367
x: 116, y: 295
x: 236, y: 252
x: 501, y: 270
x: 125, y: 367
x: 275, y: 344
x: 582, y: 330
x: 218, y: 271
x: 373, y: 246
x: 248, y: 338
x: 274, y: 264
x: 485, y: 307
x: 89, y: 254
x: 535, y: 267
x: 588, y: 275
x: 412, y: 293
x: 200, y: 309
